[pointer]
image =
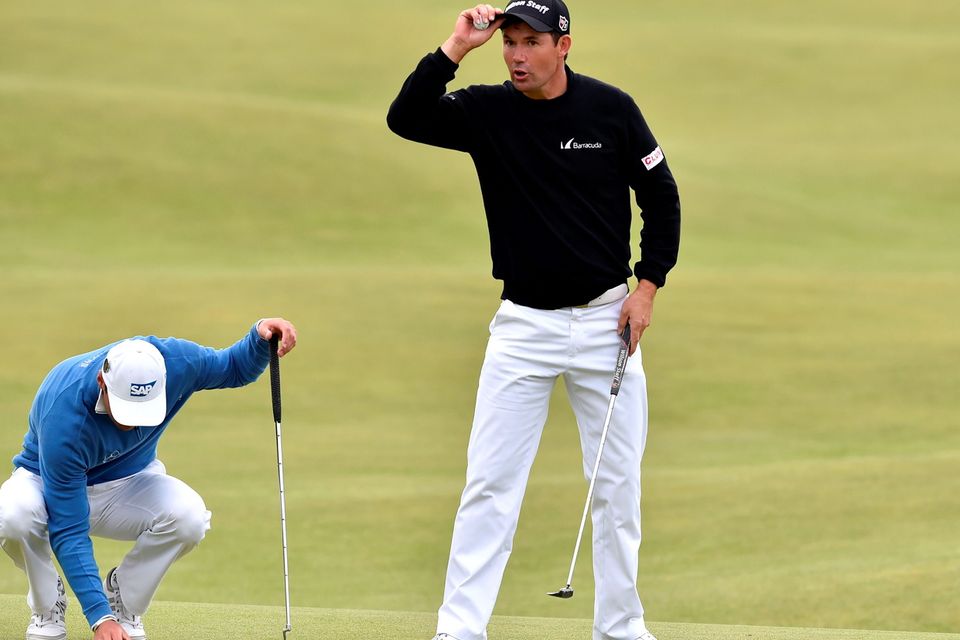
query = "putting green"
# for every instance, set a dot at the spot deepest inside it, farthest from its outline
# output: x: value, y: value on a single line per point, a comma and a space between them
x: 184, y: 168
x: 179, y: 620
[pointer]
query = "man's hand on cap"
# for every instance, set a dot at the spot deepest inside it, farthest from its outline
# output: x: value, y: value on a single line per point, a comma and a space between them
x: 469, y: 32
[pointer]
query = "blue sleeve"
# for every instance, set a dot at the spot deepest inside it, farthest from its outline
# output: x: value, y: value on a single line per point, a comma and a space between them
x: 63, y: 469
x: 235, y: 366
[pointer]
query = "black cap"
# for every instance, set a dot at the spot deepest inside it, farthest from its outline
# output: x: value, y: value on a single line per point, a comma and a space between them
x: 541, y: 15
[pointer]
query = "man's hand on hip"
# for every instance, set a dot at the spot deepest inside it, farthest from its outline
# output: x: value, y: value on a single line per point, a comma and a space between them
x: 467, y: 36
x: 638, y: 311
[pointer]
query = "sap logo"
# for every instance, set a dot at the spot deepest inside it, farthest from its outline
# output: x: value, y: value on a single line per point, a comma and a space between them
x: 652, y: 160
x: 141, y: 389
x: 571, y: 144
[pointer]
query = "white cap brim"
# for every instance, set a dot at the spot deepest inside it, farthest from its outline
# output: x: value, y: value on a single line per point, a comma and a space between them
x: 149, y: 413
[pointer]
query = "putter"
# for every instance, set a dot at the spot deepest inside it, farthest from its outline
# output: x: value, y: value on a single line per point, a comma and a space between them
x: 275, y: 391
x: 567, y: 591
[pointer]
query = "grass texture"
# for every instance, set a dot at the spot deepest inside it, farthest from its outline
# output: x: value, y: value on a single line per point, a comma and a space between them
x: 176, y: 620
x: 186, y: 168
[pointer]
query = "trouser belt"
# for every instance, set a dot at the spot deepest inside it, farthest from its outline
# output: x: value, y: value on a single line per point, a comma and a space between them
x: 608, y: 296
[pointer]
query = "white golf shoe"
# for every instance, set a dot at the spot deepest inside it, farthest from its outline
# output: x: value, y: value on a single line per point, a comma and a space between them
x: 443, y: 636
x: 131, y: 623
x: 52, y: 624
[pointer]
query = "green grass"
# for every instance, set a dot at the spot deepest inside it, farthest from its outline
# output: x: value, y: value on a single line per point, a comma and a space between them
x: 186, y: 168
x: 176, y: 620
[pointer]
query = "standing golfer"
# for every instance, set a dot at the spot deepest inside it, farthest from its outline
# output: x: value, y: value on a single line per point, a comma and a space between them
x: 556, y: 153
x: 89, y: 467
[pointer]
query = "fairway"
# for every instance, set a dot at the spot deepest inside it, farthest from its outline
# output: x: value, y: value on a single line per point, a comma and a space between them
x: 187, y: 168
x: 178, y: 620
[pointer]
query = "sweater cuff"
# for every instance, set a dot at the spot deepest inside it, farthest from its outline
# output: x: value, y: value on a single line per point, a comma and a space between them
x: 648, y: 272
x: 98, y: 613
x: 99, y: 622
x: 258, y: 342
x: 444, y: 62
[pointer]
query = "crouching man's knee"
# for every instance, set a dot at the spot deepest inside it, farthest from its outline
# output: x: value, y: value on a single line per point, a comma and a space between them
x: 183, y: 518
x: 191, y: 523
x: 21, y: 515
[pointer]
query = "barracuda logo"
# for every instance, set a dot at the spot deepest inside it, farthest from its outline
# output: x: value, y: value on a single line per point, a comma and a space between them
x: 573, y: 144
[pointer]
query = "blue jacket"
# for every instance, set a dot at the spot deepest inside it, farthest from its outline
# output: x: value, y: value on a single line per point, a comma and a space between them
x: 71, y: 446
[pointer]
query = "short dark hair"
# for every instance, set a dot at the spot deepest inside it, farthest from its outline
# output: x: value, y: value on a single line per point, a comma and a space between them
x: 556, y: 41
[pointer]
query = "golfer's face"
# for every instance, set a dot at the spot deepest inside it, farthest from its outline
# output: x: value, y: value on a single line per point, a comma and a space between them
x: 106, y: 404
x: 532, y: 58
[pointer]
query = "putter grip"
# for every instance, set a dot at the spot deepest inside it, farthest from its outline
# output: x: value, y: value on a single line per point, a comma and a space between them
x: 621, y: 360
x: 275, y: 376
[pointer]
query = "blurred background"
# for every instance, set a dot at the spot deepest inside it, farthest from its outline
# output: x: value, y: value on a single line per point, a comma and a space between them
x: 185, y: 168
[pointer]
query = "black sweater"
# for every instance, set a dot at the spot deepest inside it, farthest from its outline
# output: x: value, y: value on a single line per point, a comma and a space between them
x: 555, y: 177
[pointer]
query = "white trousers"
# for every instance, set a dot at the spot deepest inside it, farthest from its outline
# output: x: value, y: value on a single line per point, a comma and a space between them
x: 527, y: 351
x: 162, y: 514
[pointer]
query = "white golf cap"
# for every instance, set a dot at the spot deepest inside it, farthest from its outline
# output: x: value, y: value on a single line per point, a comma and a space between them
x: 136, y: 379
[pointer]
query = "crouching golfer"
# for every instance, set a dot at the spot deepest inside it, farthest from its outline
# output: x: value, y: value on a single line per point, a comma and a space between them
x: 89, y: 467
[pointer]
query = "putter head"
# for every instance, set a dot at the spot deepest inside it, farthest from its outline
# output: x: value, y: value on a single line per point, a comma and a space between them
x: 286, y: 630
x: 564, y: 593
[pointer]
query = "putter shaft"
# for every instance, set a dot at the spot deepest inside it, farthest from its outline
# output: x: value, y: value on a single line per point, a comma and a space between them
x: 275, y: 391
x: 283, y: 532
x: 593, y: 484
x: 622, y: 355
